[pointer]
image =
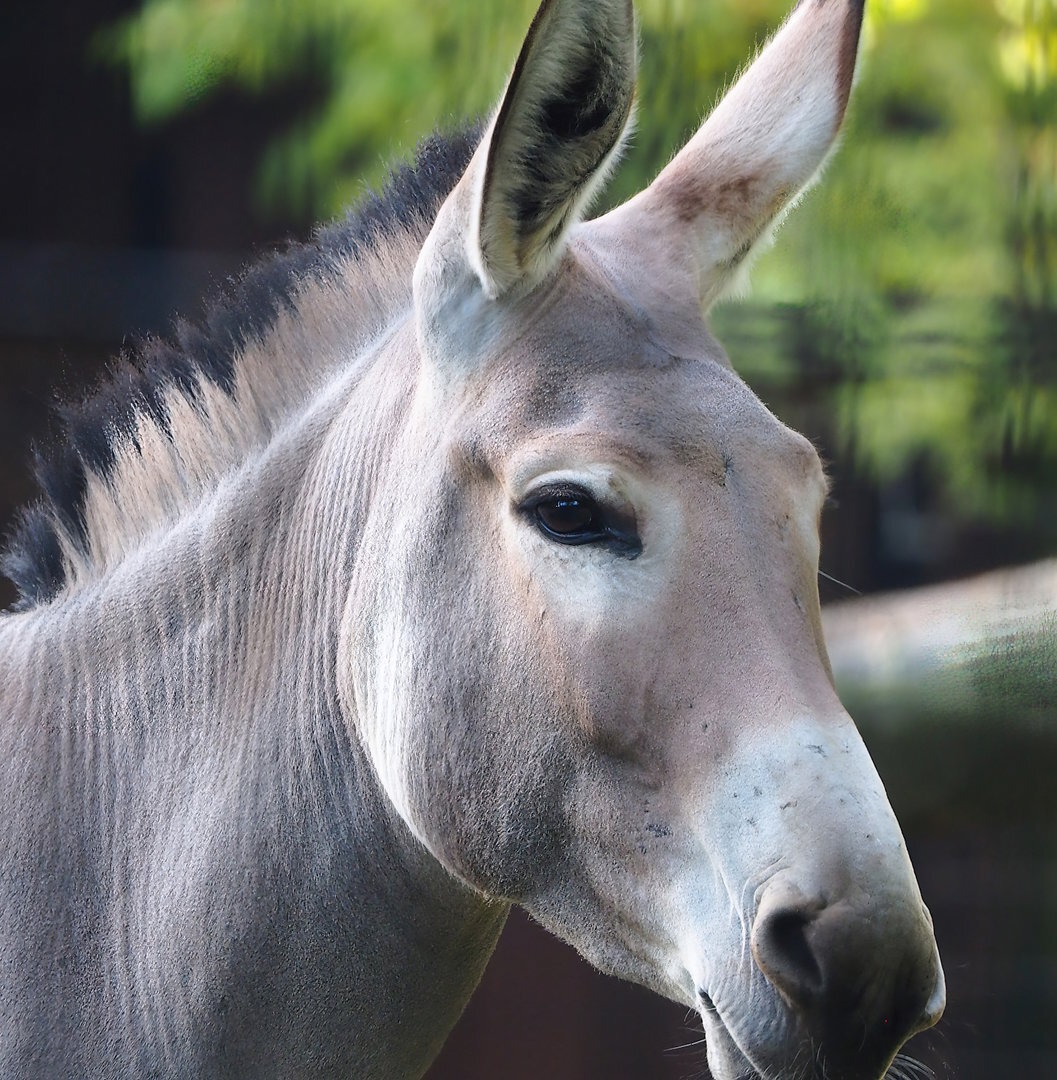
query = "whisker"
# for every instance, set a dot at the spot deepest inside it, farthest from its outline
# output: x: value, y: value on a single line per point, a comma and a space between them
x: 684, y: 1046
x: 837, y: 581
x: 905, y: 1067
x: 920, y: 1068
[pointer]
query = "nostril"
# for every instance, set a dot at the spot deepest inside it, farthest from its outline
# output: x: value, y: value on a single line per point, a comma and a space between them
x: 783, y: 952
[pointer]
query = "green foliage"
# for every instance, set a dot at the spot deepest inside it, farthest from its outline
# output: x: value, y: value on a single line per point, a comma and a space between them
x: 915, y: 290
x: 386, y: 75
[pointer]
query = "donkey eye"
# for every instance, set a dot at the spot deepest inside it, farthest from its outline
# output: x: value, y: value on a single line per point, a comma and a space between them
x: 568, y: 515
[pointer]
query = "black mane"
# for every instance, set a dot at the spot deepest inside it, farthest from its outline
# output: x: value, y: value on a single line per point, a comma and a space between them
x: 245, y: 310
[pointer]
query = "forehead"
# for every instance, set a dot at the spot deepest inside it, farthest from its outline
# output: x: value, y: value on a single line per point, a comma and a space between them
x: 591, y: 374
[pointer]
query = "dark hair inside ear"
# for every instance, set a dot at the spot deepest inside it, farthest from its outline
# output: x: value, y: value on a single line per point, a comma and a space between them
x: 565, y: 110
x: 585, y: 104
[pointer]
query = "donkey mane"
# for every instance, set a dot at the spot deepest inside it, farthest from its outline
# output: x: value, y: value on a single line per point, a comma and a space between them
x: 128, y: 456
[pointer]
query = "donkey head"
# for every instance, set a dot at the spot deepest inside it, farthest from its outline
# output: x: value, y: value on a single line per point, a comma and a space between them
x: 592, y: 679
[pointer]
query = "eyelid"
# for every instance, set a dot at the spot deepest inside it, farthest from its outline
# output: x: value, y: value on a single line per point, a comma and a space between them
x: 596, y: 483
x: 559, y: 489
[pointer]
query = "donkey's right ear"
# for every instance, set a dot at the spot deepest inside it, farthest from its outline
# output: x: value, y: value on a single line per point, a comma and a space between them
x: 548, y: 147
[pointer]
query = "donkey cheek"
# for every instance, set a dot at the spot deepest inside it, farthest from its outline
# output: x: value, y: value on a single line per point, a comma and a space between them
x: 500, y: 831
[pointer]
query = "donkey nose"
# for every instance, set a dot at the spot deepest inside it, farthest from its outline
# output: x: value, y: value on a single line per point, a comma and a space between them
x: 862, y: 979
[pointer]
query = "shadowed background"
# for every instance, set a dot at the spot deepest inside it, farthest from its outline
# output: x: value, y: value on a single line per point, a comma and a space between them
x: 906, y: 321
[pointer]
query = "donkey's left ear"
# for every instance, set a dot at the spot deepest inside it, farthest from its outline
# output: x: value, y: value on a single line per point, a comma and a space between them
x: 758, y: 150
x: 549, y: 146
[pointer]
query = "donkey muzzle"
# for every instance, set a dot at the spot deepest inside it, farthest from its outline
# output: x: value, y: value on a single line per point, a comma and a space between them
x: 860, y: 975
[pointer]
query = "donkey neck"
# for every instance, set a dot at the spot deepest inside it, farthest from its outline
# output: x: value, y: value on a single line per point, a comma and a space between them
x: 231, y: 844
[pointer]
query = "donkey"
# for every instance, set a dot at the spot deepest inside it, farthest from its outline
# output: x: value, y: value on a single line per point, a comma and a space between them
x: 447, y: 566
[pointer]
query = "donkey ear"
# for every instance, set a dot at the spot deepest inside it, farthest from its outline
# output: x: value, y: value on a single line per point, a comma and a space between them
x: 756, y: 153
x: 553, y: 139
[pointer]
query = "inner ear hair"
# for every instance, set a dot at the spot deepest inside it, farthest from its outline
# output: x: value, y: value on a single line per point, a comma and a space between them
x: 567, y: 105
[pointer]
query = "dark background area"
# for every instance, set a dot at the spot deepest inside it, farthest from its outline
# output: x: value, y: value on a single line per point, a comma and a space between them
x: 107, y: 229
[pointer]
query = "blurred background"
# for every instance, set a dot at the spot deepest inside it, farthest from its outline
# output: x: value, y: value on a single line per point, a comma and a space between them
x: 906, y: 321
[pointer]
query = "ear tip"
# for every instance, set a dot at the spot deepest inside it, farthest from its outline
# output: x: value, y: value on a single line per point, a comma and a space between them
x: 857, y: 6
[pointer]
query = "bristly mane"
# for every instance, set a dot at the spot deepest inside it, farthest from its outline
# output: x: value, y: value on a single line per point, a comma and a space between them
x: 127, y: 434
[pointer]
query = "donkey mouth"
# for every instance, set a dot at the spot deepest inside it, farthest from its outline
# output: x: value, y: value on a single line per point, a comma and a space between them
x: 727, y: 1060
